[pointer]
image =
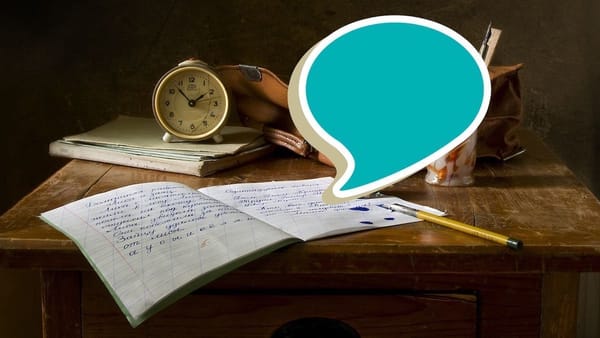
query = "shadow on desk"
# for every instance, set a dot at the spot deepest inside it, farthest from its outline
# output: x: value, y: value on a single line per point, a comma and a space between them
x: 525, y: 181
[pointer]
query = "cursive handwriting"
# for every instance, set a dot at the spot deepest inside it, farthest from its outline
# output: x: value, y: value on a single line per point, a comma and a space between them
x: 144, y: 217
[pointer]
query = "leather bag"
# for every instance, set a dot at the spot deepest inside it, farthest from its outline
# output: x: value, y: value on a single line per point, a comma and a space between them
x: 261, y: 102
x: 497, y: 134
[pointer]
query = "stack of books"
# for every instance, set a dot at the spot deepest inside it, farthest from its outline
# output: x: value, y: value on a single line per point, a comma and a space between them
x: 137, y: 142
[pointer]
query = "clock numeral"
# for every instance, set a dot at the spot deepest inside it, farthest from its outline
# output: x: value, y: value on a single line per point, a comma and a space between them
x: 180, y: 122
x: 211, y: 92
x: 215, y: 103
x: 171, y: 91
x: 171, y: 114
x: 180, y: 83
x: 167, y: 103
x: 191, y: 79
x: 212, y: 114
x: 192, y: 126
x: 205, y: 123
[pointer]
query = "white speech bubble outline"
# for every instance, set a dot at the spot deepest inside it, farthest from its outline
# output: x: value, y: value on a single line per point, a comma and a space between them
x: 342, y: 159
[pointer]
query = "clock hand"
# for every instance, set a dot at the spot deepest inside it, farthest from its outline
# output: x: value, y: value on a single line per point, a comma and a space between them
x: 191, y: 103
x: 208, y: 98
x: 199, y: 97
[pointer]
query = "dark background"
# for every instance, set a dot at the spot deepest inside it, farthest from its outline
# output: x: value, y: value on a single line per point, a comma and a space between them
x: 68, y: 67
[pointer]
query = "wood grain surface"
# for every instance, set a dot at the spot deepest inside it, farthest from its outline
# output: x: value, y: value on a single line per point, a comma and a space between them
x: 486, y: 289
x: 533, y: 197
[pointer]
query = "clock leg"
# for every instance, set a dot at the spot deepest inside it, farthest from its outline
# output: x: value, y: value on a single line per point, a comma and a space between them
x: 167, y: 137
x: 218, y: 138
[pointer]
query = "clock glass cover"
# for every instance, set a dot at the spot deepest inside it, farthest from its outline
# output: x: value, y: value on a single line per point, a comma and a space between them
x: 191, y: 103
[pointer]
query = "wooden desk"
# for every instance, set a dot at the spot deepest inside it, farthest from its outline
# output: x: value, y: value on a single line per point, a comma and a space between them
x: 417, y: 280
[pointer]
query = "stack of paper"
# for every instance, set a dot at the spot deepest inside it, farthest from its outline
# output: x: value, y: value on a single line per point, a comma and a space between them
x: 137, y: 142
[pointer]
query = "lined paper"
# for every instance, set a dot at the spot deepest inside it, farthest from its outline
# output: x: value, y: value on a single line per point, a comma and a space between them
x: 149, y: 239
x: 153, y: 243
x: 296, y: 207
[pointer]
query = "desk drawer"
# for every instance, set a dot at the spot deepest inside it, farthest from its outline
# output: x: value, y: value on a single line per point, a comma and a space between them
x: 244, y: 314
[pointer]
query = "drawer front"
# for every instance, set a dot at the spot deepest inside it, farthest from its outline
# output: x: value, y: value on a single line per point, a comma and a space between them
x: 241, y: 314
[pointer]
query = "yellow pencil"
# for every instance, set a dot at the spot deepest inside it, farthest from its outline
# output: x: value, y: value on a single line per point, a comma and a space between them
x: 512, y: 243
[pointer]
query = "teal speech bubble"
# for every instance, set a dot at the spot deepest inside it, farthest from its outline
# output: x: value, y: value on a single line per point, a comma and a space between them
x: 385, y: 96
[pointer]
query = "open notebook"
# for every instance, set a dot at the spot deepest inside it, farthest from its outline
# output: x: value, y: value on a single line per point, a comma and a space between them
x: 153, y: 243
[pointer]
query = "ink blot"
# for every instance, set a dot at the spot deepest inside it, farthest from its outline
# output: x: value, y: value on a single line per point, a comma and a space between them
x: 366, y: 222
x: 389, y: 218
x: 360, y: 209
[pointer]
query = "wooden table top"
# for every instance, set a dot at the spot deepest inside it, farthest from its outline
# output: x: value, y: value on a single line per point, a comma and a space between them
x: 533, y: 197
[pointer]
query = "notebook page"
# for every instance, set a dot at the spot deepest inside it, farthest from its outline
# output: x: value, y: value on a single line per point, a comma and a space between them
x: 296, y: 207
x: 147, y: 240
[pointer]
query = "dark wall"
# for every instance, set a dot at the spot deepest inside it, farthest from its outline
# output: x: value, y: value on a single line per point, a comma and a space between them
x: 68, y: 67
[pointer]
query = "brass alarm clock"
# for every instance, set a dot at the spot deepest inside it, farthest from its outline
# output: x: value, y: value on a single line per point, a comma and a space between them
x: 191, y: 103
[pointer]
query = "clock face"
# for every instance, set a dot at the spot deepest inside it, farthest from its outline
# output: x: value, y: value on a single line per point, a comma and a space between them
x: 191, y: 103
